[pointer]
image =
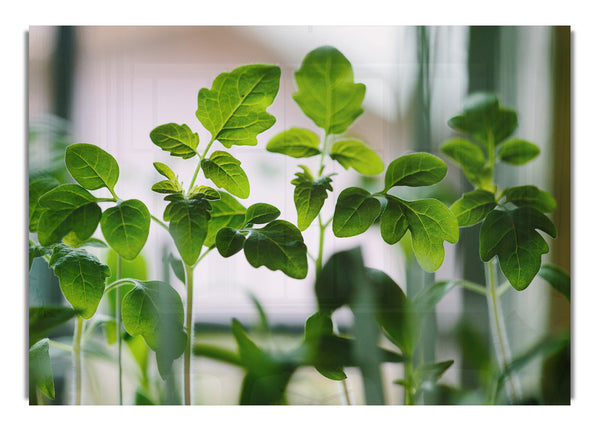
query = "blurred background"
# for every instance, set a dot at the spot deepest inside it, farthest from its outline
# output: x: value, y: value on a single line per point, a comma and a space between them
x: 110, y: 86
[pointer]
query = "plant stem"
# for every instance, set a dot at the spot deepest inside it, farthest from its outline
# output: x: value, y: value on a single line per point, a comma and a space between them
x: 77, y: 359
x: 189, y: 282
x: 202, y: 157
x: 159, y: 222
x: 499, y: 332
x: 60, y: 345
x: 118, y: 326
x: 408, y: 378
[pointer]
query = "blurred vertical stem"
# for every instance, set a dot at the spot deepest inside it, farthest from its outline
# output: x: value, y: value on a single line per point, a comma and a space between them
x: 118, y: 326
x: 77, y: 358
x: 189, y: 283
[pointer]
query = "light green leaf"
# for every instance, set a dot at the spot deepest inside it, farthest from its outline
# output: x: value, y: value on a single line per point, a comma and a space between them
x: 512, y: 236
x: 154, y: 310
x: 81, y: 277
x: 91, y: 166
x: 530, y: 196
x: 355, y: 211
x: 42, y: 320
x: 393, y: 224
x: 229, y: 241
x: 415, y: 170
x: 188, y: 225
x: 295, y: 142
x: 125, y: 227
x: 178, y: 140
x: 226, y: 212
x: 518, y: 152
x: 167, y: 187
x: 36, y: 189
x: 470, y: 157
x: 225, y: 171
x: 327, y: 93
x: 279, y: 246
x: 234, y: 109
x: 558, y: 279
x: 205, y: 192
x: 427, y: 298
x: 66, y: 197
x: 40, y: 368
x: 354, y: 154
x: 473, y: 206
x: 427, y: 375
x: 430, y: 224
x: 165, y: 171
x: 309, y: 197
x: 177, y: 267
x: 261, y: 213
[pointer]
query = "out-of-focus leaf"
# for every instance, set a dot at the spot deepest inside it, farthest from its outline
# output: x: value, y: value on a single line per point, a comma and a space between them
x: 40, y: 368
x: 518, y: 152
x: 558, y: 279
x: 44, y: 319
x: 36, y: 189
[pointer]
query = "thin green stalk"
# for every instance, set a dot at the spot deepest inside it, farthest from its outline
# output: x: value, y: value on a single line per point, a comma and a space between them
x: 77, y: 359
x: 118, y: 327
x: 60, y: 345
x: 160, y: 223
x: 202, y: 157
x: 189, y: 283
x: 408, y: 378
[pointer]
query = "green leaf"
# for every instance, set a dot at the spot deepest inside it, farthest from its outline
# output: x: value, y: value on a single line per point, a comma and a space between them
x: 473, y: 206
x: 226, y: 212
x: 558, y: 279
x: 81, y: 277
x: 44, y: 319
x: 518, y: 152
x: 279, y: 246
x: 427, y: 375
x: 317, y: 328
x: 178, y: 140
x: 234, y: 109
x: 66, y: 197
x: 37, y: 251
x: 261, y: 213
x: 167, y: 186
x: 354, y: 154
x: 327, y: 93
x: 225, y: 171
x: 36, y: 189
x: 40, y: 368
x: 205, y: 192
x: 334, y: 287
x: 229, y: 241
x: 165, y: 171
x: 91, y: 166
x: 512, y: 236
x: 295, y: 142
x: 355, y: 211
x: 415, y: 170
x: 531, y: 196
x: 430, y: 224
x: 427, y: 298
x: 309, y: 197
x: 188, y: 225
x: 470, y: 157
x: 154, y: 310
x: 177, y: 267
x: 125, y: 227
x: 393, y: 223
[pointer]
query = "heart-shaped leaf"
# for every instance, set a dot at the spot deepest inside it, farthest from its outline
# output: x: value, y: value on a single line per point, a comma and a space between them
x: 188, y: 225
x: 518, y: 152
x: 40, y: 368
x: 36, y: 189
x: 355, y: 211
x: 234, y: 109
x: 224, y: 170
x: 178, y: 140
x: 295, y: 142
x: 327, y: 93
x: 512, y: 236
x: 126, y: 227
x: 229, y: 241
x: 473, y: 206
x: 309, y: 197
x: 261, y: 213
x: 393, y: 224
x: 91, y: 166
x: 81, y: 277
x: 354, y: 154
x: 226, y: 212
x: 530, y: 196
x: 415, y: 170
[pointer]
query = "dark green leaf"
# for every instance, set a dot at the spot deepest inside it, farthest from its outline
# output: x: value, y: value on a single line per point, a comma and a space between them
x: 261, y: 213
x: 40, y: 368
x: 309, y: 197
x: 335, y: 284
x: 415, y: 170
x: 234, y: 109
x: 473, y: 206
x: 531, y: 196
x: 188, y: 225
x: 177, y: 267
x: 229, y: 241
x: 37, y: 251
x: 279, y: 246
x: 165, y: 171
x: 178, y: 140
x: 354, y: 154
x: 225, y: 171
x: 226, y: 212
x: 518, y: 152
x: 81, y: 277
x: 91, y: 166
x: 355, y: 211
x: 470, y: 157
x: 558, y: 279
x: 327, y: 93
x: 43, y: 319
x: 126, y: 227
x: 512, y: 236
x: 393, y: 223
x: 36, y: 189
x: 319, y: 328
x: 66, y: 197
x: 295, y: 142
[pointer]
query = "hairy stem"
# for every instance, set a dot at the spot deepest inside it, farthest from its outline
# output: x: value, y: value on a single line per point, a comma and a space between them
x: 77, y: 359
x: 118, y: 327
x: 189, y: 283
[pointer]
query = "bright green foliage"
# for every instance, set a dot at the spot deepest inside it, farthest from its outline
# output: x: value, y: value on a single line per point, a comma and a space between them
x: 225, y: 171
x: 393, y: 223
x: 355, y: 211
x: 295, y: 142
x: 165, y: 171
x: 415, y: 170
x: 154, y: 310
x: 473, y: 206
x: 81, y: 277
x: 188, y: 225
x: 327, y: 93
x: 558, y: 279
x: 178, y: 140
x: 233, y: 110
x: 42, y: 320
x: 36, y: 250
x: 167, y: 187
x: 261, y: 213
x: 40, y: 368
x: 126, y: 226
x: 67, y: 208
x: 309, y: 196
x: 512, y: 236
x: 91, y: 166
x: 530, y: 196
x: 229, y: 241
x: 351, y: 153
x: 205, y: 192
x: 226, y: 212
x: 36, y: 189
x: 518, y: 152
x: 470, y: 157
